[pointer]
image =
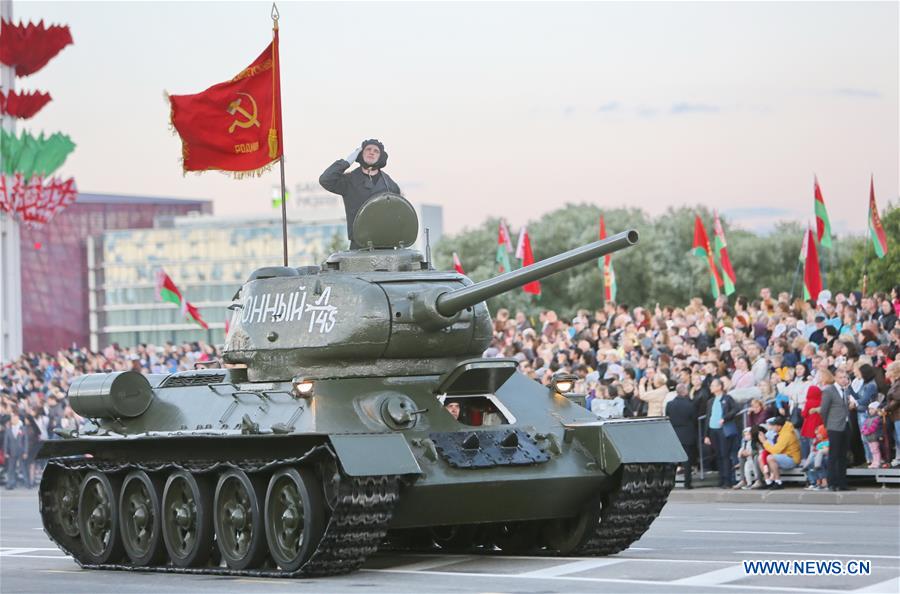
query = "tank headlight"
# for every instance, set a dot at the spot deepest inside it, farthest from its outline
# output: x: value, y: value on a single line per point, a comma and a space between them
x: 562, y: 383
x: 303, y: 387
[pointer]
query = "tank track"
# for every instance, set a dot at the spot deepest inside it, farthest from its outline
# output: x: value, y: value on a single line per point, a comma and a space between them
x: 626, y: 513
x: 362, y: 509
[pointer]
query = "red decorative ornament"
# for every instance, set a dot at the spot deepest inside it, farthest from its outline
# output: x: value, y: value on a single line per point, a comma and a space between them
x: 23, y: 105
x: 35, y: 202
x: 28, y: 48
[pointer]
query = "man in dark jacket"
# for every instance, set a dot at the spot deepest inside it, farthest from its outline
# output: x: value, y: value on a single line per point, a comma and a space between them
x: 683, y: 417
x: 15, y: 448
x: 722, y: 431
x: 362, y: 183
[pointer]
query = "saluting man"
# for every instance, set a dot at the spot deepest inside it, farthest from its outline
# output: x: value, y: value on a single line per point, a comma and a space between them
x: 357, y: 186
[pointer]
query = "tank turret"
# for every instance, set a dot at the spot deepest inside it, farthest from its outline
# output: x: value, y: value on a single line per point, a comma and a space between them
x: 376, y: 310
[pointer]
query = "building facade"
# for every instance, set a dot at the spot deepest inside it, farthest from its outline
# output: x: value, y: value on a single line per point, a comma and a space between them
x: 54, y: 266
x: 208, y: 258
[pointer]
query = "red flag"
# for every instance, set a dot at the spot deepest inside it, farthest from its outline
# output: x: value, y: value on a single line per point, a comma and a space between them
x: 457, y: 265
x: 609, y: 275
x: 523, y: 252
x: 236, y: 125
x: 812, y: 278
x: 23, y: 105
x: 28, y: 48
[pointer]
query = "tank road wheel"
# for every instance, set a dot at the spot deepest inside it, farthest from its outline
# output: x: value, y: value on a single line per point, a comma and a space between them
x: 565, y: 535
x: 238, y: 520
x: 64, y: 496
x: 140, y: 511
x: 454, y: 538
x: 516, y: 537
x: 98, y: 518
x: 295, y: 517
x: 187, y: 519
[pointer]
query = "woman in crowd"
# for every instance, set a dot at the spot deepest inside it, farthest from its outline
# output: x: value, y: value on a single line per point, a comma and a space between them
x: 892, y: 407
x: 811, y: 421
x: 865, y: 395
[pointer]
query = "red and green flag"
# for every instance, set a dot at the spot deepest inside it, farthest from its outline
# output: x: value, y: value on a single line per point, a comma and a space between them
x: 823, y: 225
x: 193, y: 314
x: 609, y: 275
x: 812, y: 277
x: 722, y: 251
x: 166, y: 289
x: 876, y: 230
x: 504, y: 247
x: 524, y: 253
x: 702, y: 249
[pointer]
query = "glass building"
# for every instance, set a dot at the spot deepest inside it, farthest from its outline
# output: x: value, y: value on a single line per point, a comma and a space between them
x: 208, y: 258
x: 54, y: 264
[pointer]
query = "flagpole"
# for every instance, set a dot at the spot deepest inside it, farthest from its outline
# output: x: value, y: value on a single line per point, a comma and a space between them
x: 283, y: 211
x: 277, y: 72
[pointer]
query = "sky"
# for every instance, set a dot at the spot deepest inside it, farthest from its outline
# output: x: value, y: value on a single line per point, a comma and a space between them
x: 505, y: 109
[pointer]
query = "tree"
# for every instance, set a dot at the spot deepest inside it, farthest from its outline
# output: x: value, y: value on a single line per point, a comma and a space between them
x: 857, y: 256
x: 661, y: 268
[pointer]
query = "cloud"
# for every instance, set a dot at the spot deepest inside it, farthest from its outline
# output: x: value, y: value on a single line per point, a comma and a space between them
x: 608, y: 107
x: 683, y: 107
x: 860, y: 93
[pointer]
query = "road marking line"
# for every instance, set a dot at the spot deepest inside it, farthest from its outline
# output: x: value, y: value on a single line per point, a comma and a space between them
x: 573, y: 567
x: 829, y: 555
x: 743, y: 532
x: 657, y: 583
x: 435, y: 563
x: 37, y: 556
x: 892, y: 585
x: 800, y: 511
x: 31, y: 549
x: 713, y: 578
x: 8, y: 551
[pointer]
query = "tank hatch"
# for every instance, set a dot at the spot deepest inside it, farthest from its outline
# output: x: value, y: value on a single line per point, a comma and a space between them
x: 386, y: 221
x: 386, y: 225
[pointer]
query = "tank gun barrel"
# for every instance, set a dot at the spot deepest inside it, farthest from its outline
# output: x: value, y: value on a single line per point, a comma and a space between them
x: 453, y: 301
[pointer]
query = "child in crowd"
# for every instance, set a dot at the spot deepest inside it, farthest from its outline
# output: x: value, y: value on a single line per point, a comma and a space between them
x: 748, y: 463
x: 871, y: 432
x: 816, y: 463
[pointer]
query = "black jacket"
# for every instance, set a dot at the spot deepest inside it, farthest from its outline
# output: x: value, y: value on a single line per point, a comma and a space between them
x: 355, y: 188
x: 729, y: 412
x: 683, y: 416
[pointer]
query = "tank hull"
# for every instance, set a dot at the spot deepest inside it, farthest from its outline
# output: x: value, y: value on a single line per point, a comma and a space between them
x: 534, y: 460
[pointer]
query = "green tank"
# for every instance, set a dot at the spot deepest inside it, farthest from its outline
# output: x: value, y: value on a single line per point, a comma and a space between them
x: 327, y: 432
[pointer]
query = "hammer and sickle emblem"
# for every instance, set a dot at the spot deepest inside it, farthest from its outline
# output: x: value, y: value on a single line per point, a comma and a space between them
x: 235, y: 107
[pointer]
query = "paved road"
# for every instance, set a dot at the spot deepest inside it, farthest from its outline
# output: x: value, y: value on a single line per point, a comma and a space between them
x: 692, y: 547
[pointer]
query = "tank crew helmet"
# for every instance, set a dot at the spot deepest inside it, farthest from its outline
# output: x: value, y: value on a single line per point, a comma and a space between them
x: 382, y: 160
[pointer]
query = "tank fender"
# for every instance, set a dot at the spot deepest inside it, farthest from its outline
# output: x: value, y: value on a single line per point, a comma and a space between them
x: 627, y: 441
x: 375, y: 453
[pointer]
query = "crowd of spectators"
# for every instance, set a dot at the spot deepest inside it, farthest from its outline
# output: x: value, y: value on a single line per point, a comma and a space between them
x: 33, y: 387
x: 755, y: 386
x: 752, y: 387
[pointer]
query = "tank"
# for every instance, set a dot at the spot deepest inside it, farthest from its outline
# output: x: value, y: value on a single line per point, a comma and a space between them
x: 352, y: 412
